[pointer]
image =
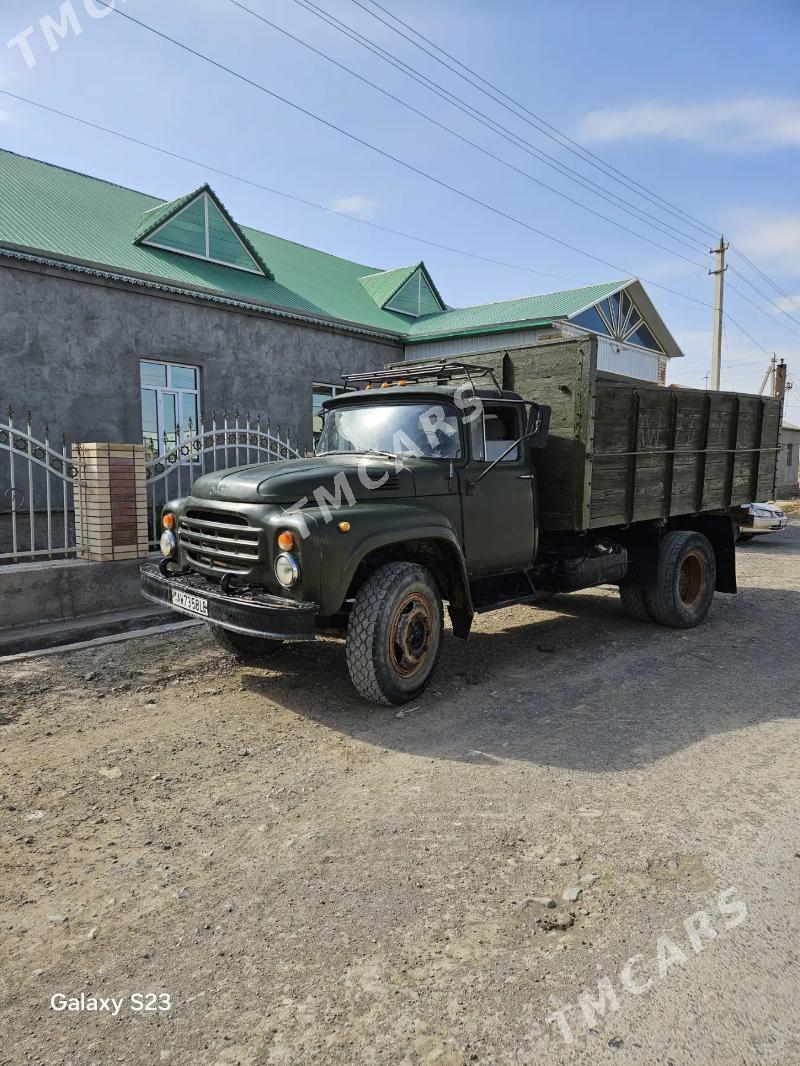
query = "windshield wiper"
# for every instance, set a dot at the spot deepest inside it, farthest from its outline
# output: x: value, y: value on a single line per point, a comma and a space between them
x: 360, y: 451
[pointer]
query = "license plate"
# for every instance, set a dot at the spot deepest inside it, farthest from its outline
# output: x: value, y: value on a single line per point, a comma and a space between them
x: 187, y: 601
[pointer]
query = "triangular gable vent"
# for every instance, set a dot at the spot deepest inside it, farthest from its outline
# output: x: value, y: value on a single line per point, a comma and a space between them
x: 200, y: 227
x: 416, y: 297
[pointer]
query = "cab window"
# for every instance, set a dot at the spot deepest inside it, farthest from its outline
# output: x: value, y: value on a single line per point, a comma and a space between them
x: 493, y: 433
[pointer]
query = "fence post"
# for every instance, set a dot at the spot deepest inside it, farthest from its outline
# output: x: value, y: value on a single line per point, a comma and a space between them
x: 110, y: 502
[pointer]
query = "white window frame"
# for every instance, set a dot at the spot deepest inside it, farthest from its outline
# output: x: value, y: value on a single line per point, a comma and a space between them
x: 179, y: 392
x: 207, y: 258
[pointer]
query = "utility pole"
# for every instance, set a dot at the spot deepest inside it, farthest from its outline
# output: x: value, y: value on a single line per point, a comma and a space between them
x: 719, y: 287
x: 769, y: 376
x: 779, y: 381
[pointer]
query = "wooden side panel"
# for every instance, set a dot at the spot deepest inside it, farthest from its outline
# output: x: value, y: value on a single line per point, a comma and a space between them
x: 562, y: 376
x: 765, y: 488
x: 721, y: 424
x: 690, y: 440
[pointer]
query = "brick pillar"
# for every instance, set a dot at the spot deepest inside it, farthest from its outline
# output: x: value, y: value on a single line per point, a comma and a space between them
x: 110, y: 502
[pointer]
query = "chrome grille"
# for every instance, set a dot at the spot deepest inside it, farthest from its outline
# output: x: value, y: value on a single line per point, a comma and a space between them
x: 219, y: 541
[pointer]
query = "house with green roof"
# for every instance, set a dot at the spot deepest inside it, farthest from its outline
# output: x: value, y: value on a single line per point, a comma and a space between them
x: 124, y: 316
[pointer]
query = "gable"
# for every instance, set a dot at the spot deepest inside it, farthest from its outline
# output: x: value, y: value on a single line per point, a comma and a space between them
x: 198, y: 225
x: 408, y: 290
x: 415, y: 297
x: 618, y: 317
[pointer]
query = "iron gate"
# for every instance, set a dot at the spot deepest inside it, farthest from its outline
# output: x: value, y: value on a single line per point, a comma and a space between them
x: 37, y: 517
x: 187, y: 455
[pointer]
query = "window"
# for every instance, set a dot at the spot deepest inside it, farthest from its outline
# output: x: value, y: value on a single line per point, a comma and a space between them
x: 321, y: 392
x: 421, y: 430
x: 415, y: 297
x: 493, y: 433
x: 170, y: 396
x: 201, y: 230
x: 618, y: 318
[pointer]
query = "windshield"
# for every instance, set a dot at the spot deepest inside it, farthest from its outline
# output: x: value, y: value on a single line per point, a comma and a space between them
x: 425, y: 430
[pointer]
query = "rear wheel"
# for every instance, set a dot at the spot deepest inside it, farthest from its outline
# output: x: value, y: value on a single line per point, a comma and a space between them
x: 687, y: 576
x: 244, y: 647
x: 394, y: 633
x: 634, y: 604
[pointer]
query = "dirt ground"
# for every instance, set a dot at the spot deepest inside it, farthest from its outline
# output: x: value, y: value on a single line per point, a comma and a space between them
x: 313, y: 880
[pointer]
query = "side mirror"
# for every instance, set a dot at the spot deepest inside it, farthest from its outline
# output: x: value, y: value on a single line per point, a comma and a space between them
x: 538, y: 425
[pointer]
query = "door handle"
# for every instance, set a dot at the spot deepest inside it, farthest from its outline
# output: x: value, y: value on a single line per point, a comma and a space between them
x: 525, y: 477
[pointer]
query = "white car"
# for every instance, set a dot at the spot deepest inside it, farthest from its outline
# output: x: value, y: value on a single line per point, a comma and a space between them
x: 754, y: 519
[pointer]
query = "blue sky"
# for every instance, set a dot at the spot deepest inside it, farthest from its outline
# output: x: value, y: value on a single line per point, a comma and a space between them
x: 700, y: 102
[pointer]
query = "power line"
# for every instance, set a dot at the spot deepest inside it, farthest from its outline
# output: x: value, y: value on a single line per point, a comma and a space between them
x: 497, y: 128
x: 281, y: 192
x: 769, y: 280
x: 447, y: 129
x: 381, y: 151
x: 759, y: 308
x: 561, y: 138
x: 752, y: 339
x: 763, y: 295
x: 538, y: 122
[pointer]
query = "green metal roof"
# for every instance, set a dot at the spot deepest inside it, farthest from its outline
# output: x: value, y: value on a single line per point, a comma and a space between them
x: 63, y: 215
x: 384, y: 285
x: 538, y: 310
x: 154, y: 216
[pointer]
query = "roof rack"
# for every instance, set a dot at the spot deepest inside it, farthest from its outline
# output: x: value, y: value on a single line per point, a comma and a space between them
x: 441, y: 372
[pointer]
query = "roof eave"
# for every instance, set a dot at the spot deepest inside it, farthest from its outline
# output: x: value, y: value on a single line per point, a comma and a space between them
x: 478, y: 331
x: 155, y: 281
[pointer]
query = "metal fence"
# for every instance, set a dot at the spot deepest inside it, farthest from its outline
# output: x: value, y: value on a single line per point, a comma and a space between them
x: 37, y: 479
x: 187, y: 454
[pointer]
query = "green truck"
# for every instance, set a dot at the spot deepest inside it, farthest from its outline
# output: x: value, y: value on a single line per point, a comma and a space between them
x: 476, y: 485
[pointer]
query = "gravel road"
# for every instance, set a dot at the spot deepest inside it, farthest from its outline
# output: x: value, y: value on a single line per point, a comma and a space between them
x: 584, y: 814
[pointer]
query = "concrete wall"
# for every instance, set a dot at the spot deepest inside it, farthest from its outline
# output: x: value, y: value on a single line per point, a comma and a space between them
x: 788, y: 472
x: 70, y: 348
x: 31, y: 593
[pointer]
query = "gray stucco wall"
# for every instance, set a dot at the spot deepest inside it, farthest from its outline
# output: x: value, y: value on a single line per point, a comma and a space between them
x: 70, y: 350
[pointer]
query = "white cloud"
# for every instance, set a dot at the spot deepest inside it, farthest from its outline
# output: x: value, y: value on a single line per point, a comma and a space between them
x: 787, y: 303
x: 770, y: 237
x: 5, y: 116
x: 360, y: 206
x: 749, y: 123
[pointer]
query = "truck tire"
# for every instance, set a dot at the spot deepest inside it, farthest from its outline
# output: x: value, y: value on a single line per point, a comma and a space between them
x: 242, y: 646
x: 687, y: 573
x: 394, y: 633
x: 634, y: 604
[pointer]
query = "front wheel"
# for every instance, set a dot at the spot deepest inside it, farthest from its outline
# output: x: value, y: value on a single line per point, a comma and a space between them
x: 687, y: 576
x: 394, y: 633
x: 242, y: 646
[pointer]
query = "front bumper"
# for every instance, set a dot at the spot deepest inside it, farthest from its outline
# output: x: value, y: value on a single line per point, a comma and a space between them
x: 764, y: 525
x: 250, y: 611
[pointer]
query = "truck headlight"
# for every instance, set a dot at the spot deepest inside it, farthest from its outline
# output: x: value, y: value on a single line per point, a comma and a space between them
x: 286, y: 570
x: 168, y: 543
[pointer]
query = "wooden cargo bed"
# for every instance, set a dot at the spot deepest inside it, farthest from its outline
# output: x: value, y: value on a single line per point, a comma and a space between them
x: 622, y: 450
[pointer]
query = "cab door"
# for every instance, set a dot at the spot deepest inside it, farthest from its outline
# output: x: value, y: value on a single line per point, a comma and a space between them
x: 498, y: 510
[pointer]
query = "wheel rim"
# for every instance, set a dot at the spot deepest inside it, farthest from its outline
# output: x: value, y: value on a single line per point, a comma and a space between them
x: 411, y: 635
x: 692, y: 580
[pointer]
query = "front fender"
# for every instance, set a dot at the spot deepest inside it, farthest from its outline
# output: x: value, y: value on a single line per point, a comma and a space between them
x: 372, y: 527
